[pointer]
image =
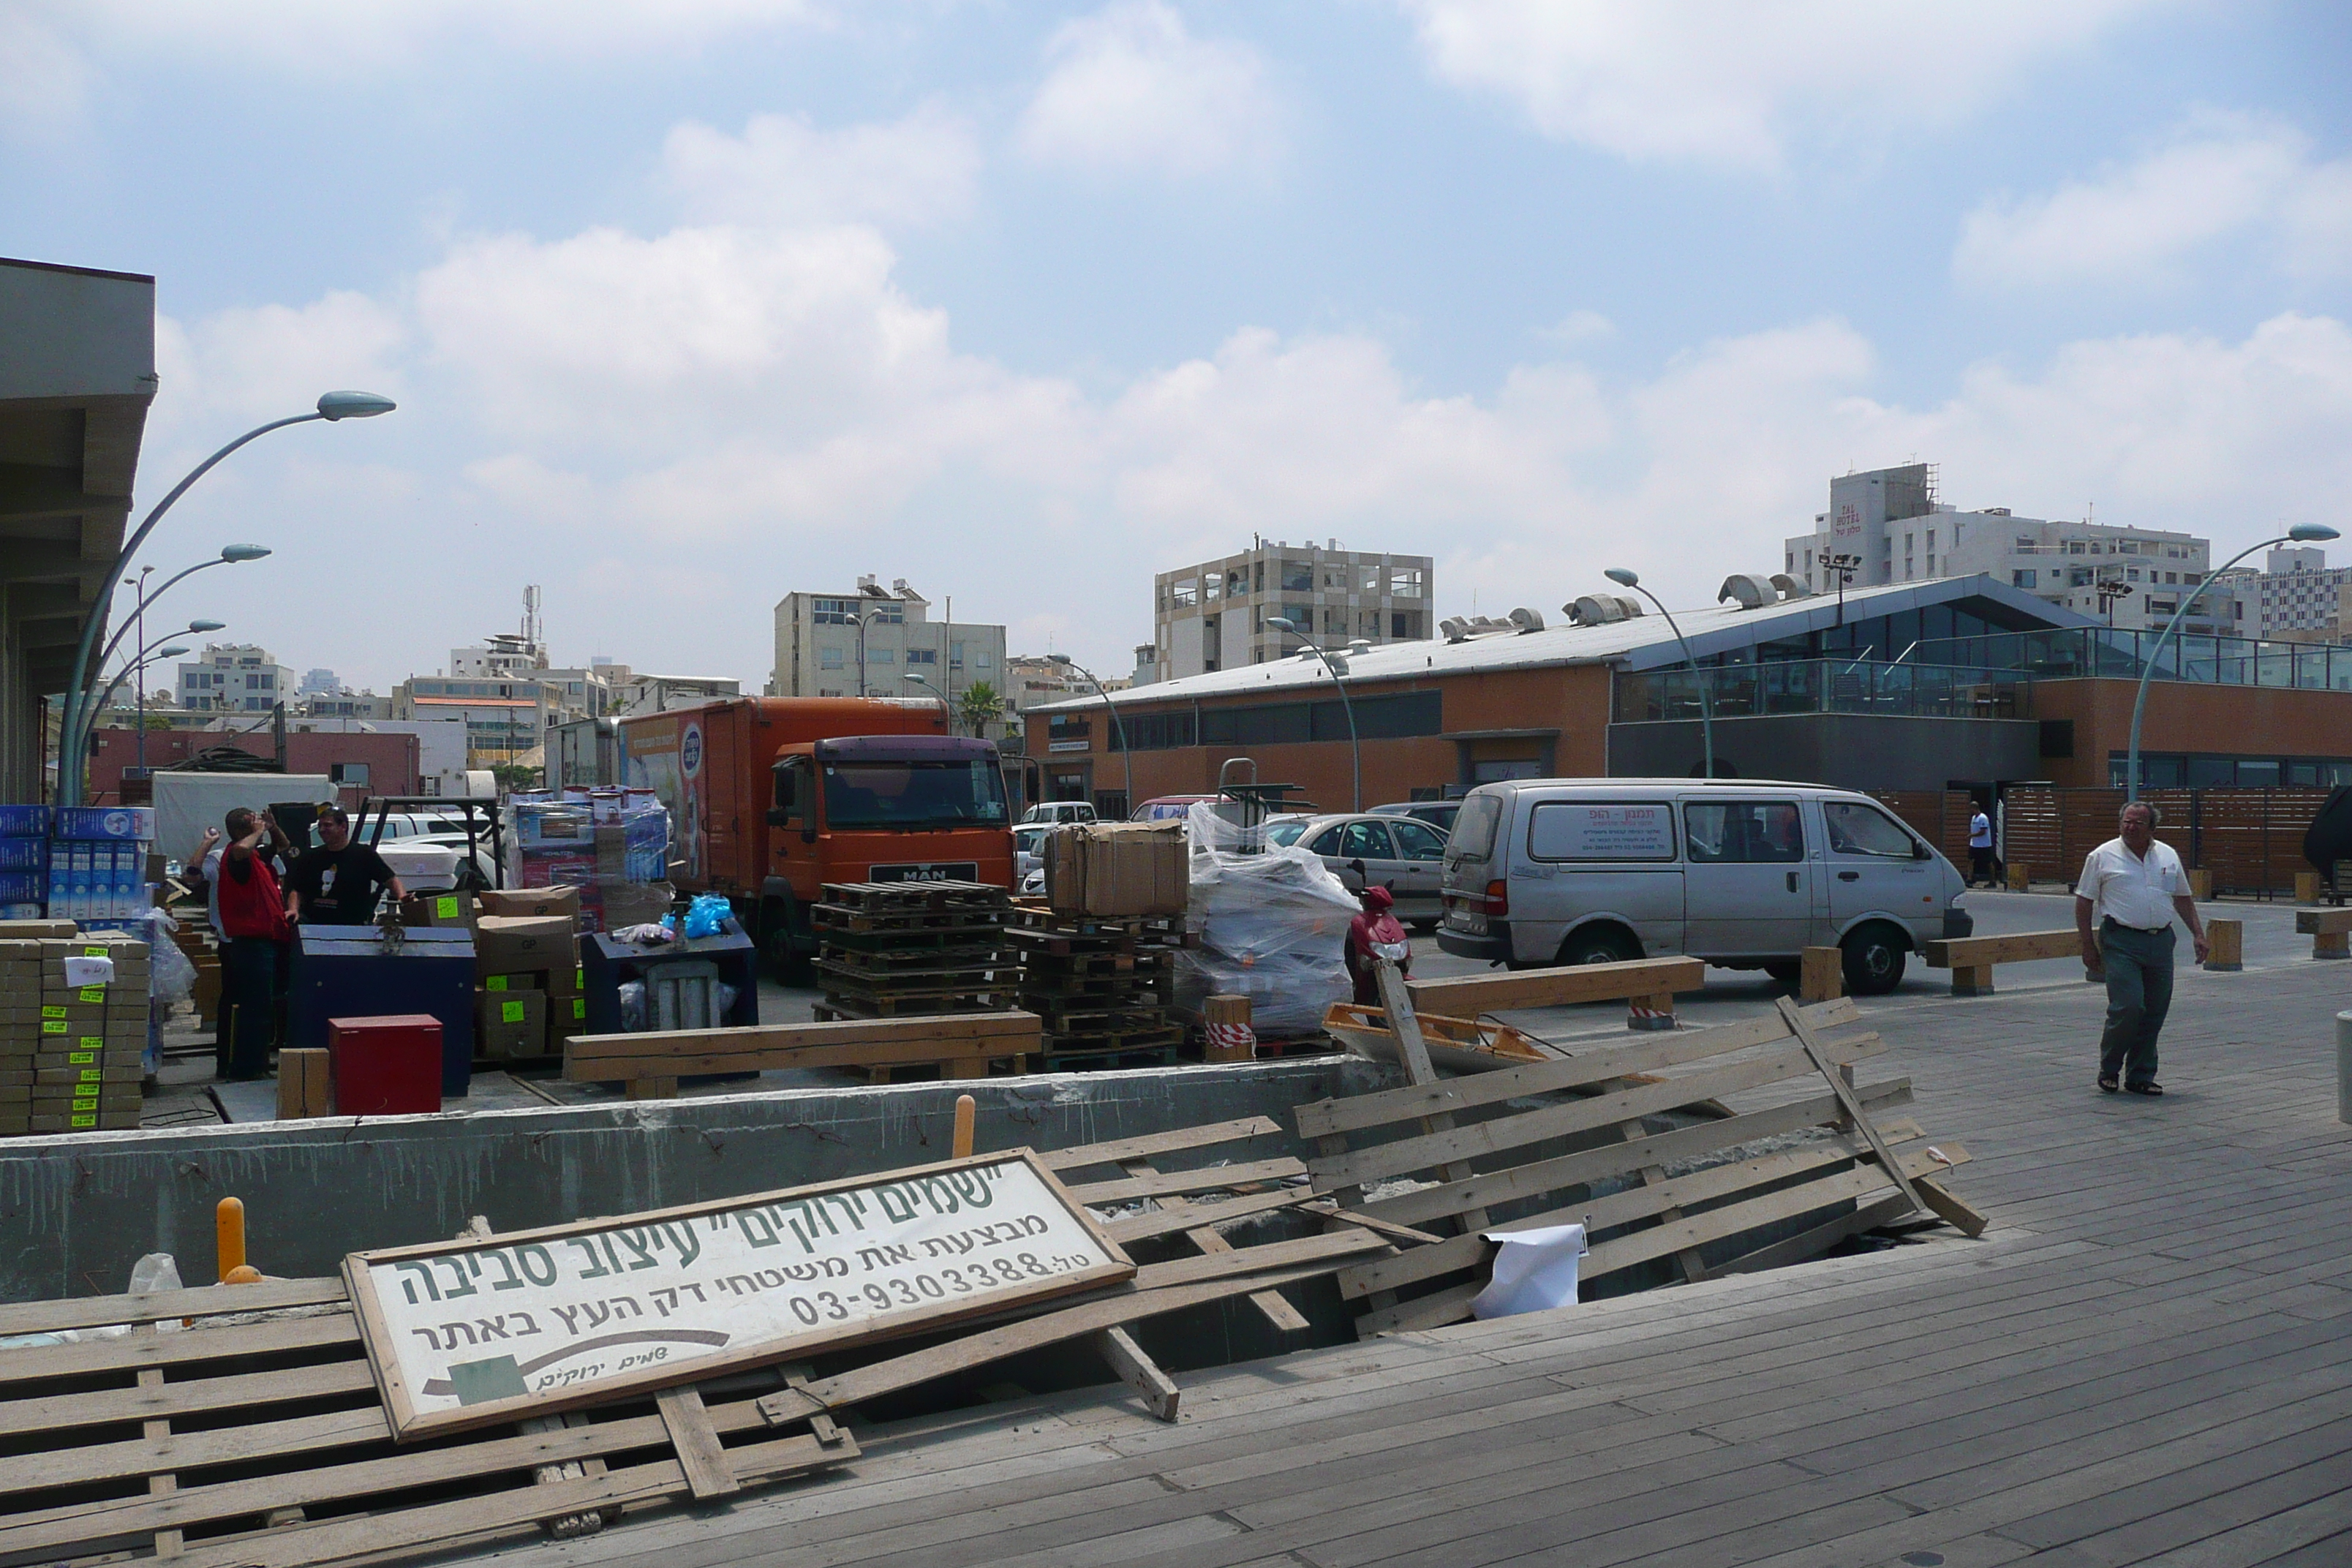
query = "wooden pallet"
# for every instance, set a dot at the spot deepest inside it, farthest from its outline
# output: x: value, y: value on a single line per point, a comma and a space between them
x: 957, y: 972
x: 874, y: 935
x: 1070, y: 933
x: 838, y: 1006
x: 649, y: 1065
x: 284, y: 1455
x: 874, y: 898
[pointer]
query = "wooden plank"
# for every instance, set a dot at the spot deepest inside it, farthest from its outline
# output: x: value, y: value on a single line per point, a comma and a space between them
x: 1844, y: 1091
x: 1822, y: 975
x: 1144, y: 1145
x: 1284, y: 1318
x: 1435, y: 1151
x: 1522, y: 1181
x: 2016, y: 947
x: 696, y: 1441
x: 156, y: 1451
x: 1959, y: 1216
x: 1203, y: 1179
x: 1138, y: 1371
x: 2322, y: 922
x: 1469, y: 995
x: 1322, y: 1117
x: 918, y: 1028
x: 160, y: 1483
x: 1252, y: 1259
x: 177, y: 1350
x: 922, y: 1366
x: 1819, y: 1239
x: 100, y: 1408
x: 100, y: 1311
x: 660, y: 1069
x: 1190, y: 1217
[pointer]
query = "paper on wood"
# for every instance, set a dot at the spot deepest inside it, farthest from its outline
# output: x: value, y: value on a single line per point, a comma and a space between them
x: 466, y: 1334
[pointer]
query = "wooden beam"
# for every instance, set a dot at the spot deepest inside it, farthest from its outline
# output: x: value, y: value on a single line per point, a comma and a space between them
x: 1138, y: 1371
x: 2017, y: 947
x: 1469, y: 995
x: 1144, y: 1145
x: 661, y: 1058
x: 696, y: 1441
x: 1845, y: 1092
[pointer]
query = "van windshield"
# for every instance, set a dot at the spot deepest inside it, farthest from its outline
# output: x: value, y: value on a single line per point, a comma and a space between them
x: 901, y: 795
x: 1473, y: 830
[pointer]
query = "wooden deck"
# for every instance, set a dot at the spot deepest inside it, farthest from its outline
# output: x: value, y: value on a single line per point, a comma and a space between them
x: 2148, y: 1360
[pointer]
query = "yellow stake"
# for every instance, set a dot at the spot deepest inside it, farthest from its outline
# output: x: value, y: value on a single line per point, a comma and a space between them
x: 228, y: 1230
x: 965, y: 1111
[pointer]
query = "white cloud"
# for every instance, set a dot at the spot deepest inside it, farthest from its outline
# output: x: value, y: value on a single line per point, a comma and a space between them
x: 1130, y: 88
x: 269, y: 361
x: 1734, y: 84
x: 43, y: 77
x: 783, y: 170
x: 2140, y: 223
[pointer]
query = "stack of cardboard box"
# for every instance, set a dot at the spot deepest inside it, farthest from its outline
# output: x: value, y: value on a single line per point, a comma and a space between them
x: 87, y: 1063
x: 20, y: 1029
x: 528, y: 999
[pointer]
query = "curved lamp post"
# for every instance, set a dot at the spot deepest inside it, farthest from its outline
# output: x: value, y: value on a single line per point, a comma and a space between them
x: 332, y: 406
x: 1118, y: 727
x: 946, y: 711
x: 1355, y: 748
x: 230, y: 555
x: 140, y: 660
x: 1625, y: 578
x: 2300, y: 533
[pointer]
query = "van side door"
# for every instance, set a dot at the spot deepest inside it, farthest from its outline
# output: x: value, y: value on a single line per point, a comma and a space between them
x: 1874, y: 868
x: 1748, y: 888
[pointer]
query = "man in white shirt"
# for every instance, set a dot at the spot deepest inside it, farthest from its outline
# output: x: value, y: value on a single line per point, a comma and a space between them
x: 1979, y: 847
x: 2132, y: 887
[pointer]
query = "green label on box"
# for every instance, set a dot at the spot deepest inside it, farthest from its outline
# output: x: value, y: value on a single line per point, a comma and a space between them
x: 580, y: 978
x: 79, y: 1057
x: 93, y: 1075
x: 53, y: 1010
x: 89, y: 1104
x: 580, y: 1006
x: 494, y: 982
x: 512, y: 1012
x: 93, y: 993
x: 445, y: 909
x: 83, y: 1121
x: 55, y: 1026
x: 93, y: 953
x: 92, y: 1042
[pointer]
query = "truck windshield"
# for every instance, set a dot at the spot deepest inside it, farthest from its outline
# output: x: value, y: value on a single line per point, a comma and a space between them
x: 958, y: 794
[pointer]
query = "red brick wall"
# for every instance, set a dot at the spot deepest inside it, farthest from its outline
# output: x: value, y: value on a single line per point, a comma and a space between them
x: 392, y: 760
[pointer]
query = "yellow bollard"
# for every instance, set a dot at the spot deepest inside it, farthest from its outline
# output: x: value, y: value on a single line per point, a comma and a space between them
x: 966, y: 1110
x: 228, y: 1235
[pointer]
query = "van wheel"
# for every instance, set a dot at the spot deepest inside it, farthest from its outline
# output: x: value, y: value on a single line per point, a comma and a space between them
x: 1600, y: 944
x: 1874, y: 959
x: 1787, y: 971
x: 786, y: 965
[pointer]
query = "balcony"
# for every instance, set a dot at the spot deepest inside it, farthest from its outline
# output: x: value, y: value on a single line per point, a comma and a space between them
x: 1827, y: 686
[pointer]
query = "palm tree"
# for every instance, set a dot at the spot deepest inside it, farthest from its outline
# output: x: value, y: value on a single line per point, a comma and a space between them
x: 980, y: 705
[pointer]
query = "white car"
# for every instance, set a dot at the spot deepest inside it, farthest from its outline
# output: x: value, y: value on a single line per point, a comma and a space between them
x: 1029, y: 849
x: 1404, y: 855
x: 1058, y: 812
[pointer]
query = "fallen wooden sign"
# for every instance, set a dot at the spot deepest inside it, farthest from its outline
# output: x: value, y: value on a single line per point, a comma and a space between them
x: 469, y: 1333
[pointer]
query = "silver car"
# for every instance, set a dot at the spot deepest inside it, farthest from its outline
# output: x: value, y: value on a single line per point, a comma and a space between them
x: 1404, y: 855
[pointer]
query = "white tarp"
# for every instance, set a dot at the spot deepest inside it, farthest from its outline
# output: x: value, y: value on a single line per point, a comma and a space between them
x: 1534, y: 1270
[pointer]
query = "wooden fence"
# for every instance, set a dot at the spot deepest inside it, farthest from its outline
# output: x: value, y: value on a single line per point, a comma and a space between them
x: 2251, y: 840
x: 1938, y: 815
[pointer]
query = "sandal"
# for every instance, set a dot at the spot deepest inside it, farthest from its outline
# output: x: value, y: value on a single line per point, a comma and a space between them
x: 2108, y: 1086
x: 2151, y: 1088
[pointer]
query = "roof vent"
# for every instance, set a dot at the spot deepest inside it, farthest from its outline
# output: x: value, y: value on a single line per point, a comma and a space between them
x: 1752, y: 591
x: 1792, y: 587
x: 1359, y: 644
x: 1526, y: 620
x: 1594, y: 610
x: 1455, y: 628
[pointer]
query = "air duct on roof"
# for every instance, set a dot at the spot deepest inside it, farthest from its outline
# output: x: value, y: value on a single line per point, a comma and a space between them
x: 1631, y: 606
x: 1453, y: 629
x: 1753, y: 590
x: 1594, y: 610
x: 1792, y: 587
x: 1526, y: 620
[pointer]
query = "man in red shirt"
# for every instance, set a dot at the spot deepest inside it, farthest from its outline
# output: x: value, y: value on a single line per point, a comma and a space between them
x: 254, y: 949
x: 1369, y: 933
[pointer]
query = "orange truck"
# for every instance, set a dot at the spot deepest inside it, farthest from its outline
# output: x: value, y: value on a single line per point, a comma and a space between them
x: 771, y: 798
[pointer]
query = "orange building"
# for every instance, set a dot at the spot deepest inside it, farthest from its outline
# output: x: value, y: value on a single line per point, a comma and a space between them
x: 1959, y: 682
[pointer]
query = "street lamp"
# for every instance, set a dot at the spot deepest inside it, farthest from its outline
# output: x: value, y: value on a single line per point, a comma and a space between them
x: 1843, y: 567
x: 1126, y: 757
x: 230, y: 555
x: 947, y: 711
x: 1625, y: 578
x: 139, y: 662
x: 332, y: 406
x: 2300, y: 533
x: 1355, y: 748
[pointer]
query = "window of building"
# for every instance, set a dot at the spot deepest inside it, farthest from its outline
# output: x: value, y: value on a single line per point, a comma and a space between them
x: 828, y: 659
x: 1368, y: 623
x: 2025, y: 577
x: 1298, y: 577
x: 831, y: 612
x: 1258, y: 577
x: 922, y: 655
x: 1210, y: 585
x: 1236, y: 582
x: 1186, y: 591
x: 1334, y: 579
x: 1404, y: 581
x: 880, y: 656
x: 1368, y: 580
x: 886, y: 612
x: 1404, y: 626
x: 955, y: 656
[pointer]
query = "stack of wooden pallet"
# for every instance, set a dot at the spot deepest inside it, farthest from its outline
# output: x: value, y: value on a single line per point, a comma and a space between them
x: 1769, y: 1183
x: 1102, y: 984
x: 888, y: 949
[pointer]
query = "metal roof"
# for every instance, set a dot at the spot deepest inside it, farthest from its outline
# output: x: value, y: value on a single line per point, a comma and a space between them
x: 1645, y: 642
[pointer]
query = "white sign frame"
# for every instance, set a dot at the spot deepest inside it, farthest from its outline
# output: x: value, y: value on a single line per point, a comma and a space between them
x: 884, y: 1255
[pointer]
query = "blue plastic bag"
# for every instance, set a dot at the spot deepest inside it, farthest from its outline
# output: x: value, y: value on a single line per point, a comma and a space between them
x: 708, y: 916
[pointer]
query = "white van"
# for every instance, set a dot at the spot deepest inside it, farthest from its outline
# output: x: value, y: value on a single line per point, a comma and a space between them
x: 1059, y: 811
x: 1745, y: 873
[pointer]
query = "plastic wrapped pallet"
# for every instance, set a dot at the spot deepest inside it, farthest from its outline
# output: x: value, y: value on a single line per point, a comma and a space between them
x: 1273, y: 928
x: 615, y: 850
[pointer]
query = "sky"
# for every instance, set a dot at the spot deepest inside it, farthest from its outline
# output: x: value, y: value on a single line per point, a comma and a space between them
x: 689, y: 306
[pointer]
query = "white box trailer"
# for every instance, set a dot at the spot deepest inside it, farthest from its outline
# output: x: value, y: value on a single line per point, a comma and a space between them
x: 188, y: 803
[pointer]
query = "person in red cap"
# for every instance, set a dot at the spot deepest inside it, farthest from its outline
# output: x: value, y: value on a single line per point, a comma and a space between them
x: 1375, y: 933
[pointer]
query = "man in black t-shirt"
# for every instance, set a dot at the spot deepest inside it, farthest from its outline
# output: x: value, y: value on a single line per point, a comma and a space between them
x: 339, y: 882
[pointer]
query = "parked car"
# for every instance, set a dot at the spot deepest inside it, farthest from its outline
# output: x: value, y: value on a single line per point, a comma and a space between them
x: 1054, y: 812
x: 1438, y: 813
x: 1362, y: 850
x: 1160, y: 807
x: 1029, y: 848
x: 1744, y: 873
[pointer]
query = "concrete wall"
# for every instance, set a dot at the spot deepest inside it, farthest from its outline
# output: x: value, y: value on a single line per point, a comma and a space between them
x: 1851, y: 750
x: 76, y: 1213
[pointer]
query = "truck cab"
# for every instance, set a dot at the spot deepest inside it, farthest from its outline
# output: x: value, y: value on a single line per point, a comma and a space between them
x: 878, y: 808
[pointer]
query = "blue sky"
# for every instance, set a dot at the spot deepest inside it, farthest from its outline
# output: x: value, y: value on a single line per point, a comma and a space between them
x: 691, y: 305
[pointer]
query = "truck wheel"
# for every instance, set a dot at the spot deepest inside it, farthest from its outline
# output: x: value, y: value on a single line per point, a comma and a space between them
x: 1874, y: 959
x: 1600, y: 944
x: 786, y: 963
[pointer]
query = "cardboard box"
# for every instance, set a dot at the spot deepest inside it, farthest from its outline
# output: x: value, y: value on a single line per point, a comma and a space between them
x: 516, y: 944
x: 531, y: 903
x: 303, y: 1086
x: 510, y: 1024
x: 436, y: 909
x: 1109, y: 868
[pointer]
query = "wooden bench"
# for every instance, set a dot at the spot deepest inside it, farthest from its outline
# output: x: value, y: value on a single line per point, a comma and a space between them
x: 1646, y: 984
x: 2327, y: 929
x: 1971, y: 958
x: 648, y: 1065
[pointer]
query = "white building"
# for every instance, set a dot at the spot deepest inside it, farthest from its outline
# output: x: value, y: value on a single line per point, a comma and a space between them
x: 1212, y: 616
x: 234, y: 678
x: 2297, y: 595
x: 868, y: 643
x: 441, y: 745
x: 337, y: 703
x: 1889, y: 527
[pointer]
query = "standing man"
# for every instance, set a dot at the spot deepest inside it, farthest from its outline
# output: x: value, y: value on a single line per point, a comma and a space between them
x: 253, y: 950
x: 2132, y: 887
x: 338, y: 883
x: 1980, y: 846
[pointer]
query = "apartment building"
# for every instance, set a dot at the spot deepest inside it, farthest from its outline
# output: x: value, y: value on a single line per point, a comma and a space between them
x: 234, y: 678
x: 868, y: 643
x: 1889, y: 526
x: 2297, y: 595
x: 1212, y: 616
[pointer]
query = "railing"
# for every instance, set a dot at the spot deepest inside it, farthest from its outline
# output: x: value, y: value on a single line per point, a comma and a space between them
x: 2097, y: 651
x: 1827, y: 686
